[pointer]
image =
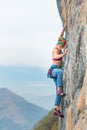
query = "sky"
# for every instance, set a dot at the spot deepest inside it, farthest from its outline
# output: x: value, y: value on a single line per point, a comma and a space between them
x: 26, y: 81
x: 28, y: 32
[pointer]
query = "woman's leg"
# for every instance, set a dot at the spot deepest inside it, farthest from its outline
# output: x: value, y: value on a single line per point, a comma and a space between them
x: 57, y: 102
x: 58, y: 97
x: 58, y: 74
x: 57, y: 106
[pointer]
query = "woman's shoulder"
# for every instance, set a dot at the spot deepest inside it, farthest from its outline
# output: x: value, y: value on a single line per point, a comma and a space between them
x: 55, y: 50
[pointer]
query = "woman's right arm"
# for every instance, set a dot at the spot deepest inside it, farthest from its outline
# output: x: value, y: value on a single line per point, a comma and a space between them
x: 55, y: 54
x: 62, y: 32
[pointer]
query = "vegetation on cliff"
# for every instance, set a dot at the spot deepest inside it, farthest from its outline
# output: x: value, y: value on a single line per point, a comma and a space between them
x: 49, y: 122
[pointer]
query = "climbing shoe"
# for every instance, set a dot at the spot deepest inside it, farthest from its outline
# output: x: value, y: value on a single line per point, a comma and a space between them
x: 60, y: 93
x: 58, y: 113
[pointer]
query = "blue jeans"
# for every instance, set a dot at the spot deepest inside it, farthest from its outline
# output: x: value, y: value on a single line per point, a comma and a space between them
x: 57, y: 73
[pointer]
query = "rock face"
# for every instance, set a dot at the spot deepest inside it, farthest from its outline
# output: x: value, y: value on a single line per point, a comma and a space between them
x: 74, y: 13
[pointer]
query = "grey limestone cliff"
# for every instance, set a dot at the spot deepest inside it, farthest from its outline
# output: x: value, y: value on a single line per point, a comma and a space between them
x: 74, y: 13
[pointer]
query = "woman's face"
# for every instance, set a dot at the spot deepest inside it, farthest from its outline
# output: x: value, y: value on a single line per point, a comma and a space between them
x: 60, y: 47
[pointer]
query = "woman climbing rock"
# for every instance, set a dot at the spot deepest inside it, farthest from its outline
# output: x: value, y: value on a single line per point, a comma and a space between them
x: 56, y: 73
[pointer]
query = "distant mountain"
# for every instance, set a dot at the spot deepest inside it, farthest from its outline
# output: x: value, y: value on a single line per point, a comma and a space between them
x: 16, y: 113
x: 49, y: 122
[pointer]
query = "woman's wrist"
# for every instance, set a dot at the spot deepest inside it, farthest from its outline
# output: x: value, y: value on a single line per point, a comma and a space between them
x: 64, y: 54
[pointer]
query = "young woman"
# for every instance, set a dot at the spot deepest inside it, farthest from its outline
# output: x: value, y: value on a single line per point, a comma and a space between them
x: 56, y: 71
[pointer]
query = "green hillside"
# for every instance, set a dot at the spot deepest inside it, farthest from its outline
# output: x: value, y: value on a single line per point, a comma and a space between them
x: 49, y: 122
